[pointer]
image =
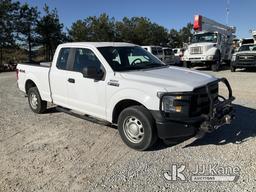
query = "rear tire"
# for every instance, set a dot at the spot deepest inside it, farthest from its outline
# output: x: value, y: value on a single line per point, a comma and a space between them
x: 136, y: 127
x: 37, y: 105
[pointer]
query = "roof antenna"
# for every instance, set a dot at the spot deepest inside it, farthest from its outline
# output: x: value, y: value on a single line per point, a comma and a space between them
x: 227, y: 12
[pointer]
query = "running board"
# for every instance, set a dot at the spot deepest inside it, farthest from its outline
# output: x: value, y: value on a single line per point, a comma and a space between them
x: 85, y: 117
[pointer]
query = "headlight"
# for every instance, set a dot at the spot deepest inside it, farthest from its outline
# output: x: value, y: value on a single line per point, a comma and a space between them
x: 233, y: 58
x: 210, y: 57
x: 168, y: 104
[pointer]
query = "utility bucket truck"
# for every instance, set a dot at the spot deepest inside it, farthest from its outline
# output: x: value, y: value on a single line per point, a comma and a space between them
x: 210, y: 45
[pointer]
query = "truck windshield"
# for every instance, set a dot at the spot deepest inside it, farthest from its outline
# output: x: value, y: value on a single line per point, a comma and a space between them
x: 205, y: 37
x: 129, y: 58
x: 247, y: 48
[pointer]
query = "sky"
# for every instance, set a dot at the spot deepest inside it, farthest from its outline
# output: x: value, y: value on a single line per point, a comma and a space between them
x: 168, y: 13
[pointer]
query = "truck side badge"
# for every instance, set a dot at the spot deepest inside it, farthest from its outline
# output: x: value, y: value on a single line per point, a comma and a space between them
x: 113, y: 83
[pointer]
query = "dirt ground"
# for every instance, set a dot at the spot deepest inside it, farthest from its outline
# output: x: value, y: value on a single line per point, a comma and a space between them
x: 59, y: 152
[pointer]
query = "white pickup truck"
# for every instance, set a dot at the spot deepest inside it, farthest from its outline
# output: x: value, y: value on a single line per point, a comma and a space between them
x: 127, y: 86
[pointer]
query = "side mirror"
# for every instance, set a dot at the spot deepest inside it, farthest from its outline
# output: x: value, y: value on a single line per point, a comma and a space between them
x: 91, y: 72
x: 189, y: 40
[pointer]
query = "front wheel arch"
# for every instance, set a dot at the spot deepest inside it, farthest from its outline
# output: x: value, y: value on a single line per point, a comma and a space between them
x: 121, y: 105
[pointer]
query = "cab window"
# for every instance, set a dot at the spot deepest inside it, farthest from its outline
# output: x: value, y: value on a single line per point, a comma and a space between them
x: 154, y: 51
x: 160, y: 51
x: 85, y: 58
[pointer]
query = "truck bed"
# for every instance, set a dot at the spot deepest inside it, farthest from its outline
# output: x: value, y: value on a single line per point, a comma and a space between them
x: 36, y: 73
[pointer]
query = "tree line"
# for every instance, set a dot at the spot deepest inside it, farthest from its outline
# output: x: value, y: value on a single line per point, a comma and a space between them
x: 23, y: 27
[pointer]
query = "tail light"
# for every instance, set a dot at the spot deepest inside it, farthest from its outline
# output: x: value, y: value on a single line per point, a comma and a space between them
x: 17, y: 74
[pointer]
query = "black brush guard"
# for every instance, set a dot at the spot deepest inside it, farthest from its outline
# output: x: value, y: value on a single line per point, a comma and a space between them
x: 220, y: 110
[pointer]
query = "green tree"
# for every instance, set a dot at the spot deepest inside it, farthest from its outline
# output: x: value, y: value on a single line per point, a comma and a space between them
x: 178, y: 38
x: 174, y: 38
x: 78, y: 31
x: 27, y: 27
x: 94, y: 28
x: 140, y: 30
x: 50, y: 32
x: 125, y: 31
x: 186, y: 33
x: 8, y: 18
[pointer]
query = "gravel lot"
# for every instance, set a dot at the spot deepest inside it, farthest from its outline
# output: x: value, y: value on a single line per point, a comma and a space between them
x: 59, y: 152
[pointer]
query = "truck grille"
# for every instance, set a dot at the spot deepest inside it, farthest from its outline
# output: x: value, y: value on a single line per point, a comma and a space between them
x: 200, y: 103
x: 247, y: 58
x: 196, y: 50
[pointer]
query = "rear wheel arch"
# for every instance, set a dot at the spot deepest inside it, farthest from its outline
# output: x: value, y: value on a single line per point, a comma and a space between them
x: 29, y: 84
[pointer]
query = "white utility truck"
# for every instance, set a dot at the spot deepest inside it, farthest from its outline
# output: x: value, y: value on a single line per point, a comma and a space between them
x: 211, y: 44
x: 125, y: 85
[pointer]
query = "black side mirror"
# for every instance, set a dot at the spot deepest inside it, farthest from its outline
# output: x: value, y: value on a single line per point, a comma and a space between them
x: 189, y: 40
x: 91, y: 72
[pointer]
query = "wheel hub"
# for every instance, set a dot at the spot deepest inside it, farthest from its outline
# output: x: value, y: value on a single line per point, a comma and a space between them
x: 33, y: 100
x: 133, y: 129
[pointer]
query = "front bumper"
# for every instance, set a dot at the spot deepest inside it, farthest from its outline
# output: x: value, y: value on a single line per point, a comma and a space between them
x: 243, y: 64
x: 220, y: 112
x: 199, y: 58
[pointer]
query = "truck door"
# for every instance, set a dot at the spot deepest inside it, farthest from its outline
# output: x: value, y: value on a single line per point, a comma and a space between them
x: 84, y: 94
x: 58, y: 77
x: 222, y: 46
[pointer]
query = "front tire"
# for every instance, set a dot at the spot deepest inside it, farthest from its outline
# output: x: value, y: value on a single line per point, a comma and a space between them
x: 136, y: 127
x: 186, y: 64
x: 216, y: 64
x: 232, y: 69
x: 37, y: 105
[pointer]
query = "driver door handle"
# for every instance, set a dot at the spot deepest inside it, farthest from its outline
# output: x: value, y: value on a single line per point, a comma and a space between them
x: 71, y: 80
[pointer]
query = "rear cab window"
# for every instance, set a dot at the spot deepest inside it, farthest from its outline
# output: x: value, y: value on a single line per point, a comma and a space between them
x: 63, y: 58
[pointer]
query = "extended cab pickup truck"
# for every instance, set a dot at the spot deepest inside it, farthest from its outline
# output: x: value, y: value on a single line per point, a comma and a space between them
x: 127, y: 86
x: 245, y: 57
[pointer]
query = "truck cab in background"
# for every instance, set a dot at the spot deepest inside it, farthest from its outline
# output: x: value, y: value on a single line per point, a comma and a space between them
x: 165, y: 54
x: 178, y: 54
x: 254, y: 36
x: 155, y: 50
x: 210, y: 45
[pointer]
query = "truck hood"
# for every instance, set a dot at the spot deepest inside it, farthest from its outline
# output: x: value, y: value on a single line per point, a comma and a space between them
x: 171, y: 79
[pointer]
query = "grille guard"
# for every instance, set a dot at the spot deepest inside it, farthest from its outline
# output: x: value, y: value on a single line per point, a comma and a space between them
x: 214, y: 107
x: 223, y: 107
